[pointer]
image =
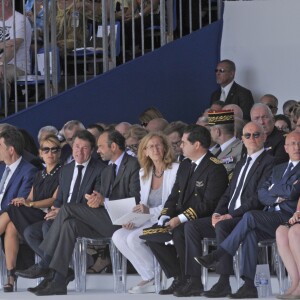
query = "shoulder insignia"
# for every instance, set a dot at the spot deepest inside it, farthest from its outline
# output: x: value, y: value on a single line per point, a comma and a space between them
x: 215, y: 160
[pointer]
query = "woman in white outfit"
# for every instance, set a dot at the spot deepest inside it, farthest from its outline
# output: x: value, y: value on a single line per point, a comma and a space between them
x: 157, y: 176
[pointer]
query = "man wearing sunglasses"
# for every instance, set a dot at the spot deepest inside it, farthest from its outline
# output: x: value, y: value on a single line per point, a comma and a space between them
x: 229, y: 91
x: 271, y: 101
x: 240, y: 197
x: 279, y: 194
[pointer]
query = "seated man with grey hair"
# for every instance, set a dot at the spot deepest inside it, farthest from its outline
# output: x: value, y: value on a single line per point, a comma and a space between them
x: 69, y: 130
x: 261, y: 114
x: 158, y: 124
x: 123, y: 127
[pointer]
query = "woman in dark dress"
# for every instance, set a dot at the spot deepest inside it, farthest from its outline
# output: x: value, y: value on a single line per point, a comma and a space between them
x: 23, y: 212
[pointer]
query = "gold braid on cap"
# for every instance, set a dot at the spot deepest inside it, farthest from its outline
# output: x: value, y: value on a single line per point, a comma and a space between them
x: 190, y: 214
x: 148, y: 231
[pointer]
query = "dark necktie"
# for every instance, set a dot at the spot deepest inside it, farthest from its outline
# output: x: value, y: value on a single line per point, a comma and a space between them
x: 192, y: 169
x: 239, y: 187
x: 112, y: 177
x: 288, y: 169
x: 77, y: 184
x: 3, y: 179
x: 218, y: 152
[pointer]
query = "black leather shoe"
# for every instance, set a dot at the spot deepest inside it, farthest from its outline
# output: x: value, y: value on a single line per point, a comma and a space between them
x: 208, y: 261
x: 70, y: 276
x: 40, y: 286
x: 52, y: 288
x: 189, y: 289
x: 245, y: 292
x: 35, y: 271
x: 176, y: 284
x: 218, y: 291
x: 43, y: 283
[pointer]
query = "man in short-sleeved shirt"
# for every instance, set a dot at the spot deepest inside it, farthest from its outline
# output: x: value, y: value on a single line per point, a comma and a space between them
x: 15, y: 29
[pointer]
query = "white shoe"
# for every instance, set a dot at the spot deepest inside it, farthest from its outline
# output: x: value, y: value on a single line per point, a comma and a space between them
x: 143, y: 287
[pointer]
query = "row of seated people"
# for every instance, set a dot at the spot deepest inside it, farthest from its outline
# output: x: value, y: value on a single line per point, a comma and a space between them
x: 195, y: 195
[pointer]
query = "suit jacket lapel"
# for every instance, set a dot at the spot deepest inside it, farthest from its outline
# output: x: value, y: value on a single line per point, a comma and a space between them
x: 253, y: 168
x: 14, y: 175
x: 85, y: 180
x: 294, y: 170
x: 121, y: 170
x: 197, y: 173
x: 231, y: 92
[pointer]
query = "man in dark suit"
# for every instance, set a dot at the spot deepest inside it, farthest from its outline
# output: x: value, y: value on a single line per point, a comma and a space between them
x: 230, y: 92
x: 15, y: 172
x: 201, y: 180
x: 261, y: 114
x: 83, y: 145
x: 280, y: 197
x: 227, y: 215
x: 90, y: 219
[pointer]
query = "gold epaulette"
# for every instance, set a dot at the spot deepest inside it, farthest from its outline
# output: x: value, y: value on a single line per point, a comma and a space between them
x: 164, y: 211
x: 190, y: 214
x: 215, y: 160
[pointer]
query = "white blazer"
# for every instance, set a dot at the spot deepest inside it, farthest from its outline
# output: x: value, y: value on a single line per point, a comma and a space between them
x: 167, y: 185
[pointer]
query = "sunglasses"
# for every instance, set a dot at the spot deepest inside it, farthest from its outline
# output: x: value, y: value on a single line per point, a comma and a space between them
x: 133, y: 147
x: 220, y: 70
x: 247, y: 135
x: 271, y: 106
x: 46, y: 150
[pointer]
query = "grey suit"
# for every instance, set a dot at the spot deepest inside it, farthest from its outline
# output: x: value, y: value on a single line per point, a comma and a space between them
x: 76, y: 220
x: 231, y: 155
x: 35, y: 233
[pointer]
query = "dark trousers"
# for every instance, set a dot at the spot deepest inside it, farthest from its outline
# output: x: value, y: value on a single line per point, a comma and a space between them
x: 171, y: 258
x: 254, y: 227
x: 195, y: 231
x: 72, y: 221
x: 34, y: 235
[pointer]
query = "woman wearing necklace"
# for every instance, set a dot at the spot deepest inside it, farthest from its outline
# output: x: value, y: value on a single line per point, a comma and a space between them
x: 23, y: 212
x: 157, y: 176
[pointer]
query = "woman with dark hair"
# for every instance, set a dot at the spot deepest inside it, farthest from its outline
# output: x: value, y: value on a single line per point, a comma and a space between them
x: 157, y: 176
x: 283, y: 123
x: 24, y: 212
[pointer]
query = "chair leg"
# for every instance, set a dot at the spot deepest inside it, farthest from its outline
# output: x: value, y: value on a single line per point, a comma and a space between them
x: 204, y: 270
x: 2, y: 266
x: 119, y: 268
x: 79, y: 259
x: 280, y: 270
x: 37, y: 259
x: 236, y: 266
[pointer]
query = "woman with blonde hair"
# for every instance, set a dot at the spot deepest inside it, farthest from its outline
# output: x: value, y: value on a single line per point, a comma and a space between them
x: 24, y: 212
x: 157, y: 177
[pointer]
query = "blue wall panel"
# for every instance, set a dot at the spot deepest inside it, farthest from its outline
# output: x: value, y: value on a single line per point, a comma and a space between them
x: 177, y: 79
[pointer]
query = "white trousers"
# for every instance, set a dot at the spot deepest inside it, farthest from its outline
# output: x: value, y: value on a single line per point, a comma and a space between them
x: 135, y: 250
